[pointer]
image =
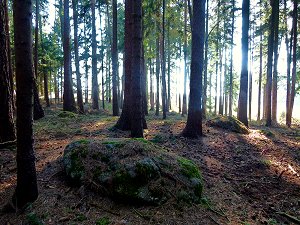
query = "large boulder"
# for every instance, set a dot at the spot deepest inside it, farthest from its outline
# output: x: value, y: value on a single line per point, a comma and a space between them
x: 133, y: 171
x: 228, y: 123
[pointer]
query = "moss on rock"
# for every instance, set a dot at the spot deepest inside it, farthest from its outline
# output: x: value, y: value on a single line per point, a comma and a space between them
x: 66, y: 114
x: 228, y: 123
x: 133, y: 171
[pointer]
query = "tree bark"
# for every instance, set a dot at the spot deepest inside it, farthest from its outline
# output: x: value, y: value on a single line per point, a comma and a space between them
x: 193, y: 127
x: 163, y: 64
x: 294, y: 72
x: 270, y: 64
x: 78, y: 75
x: 95, y: 87
x: 157, y: 66
x: 275, y: 72
x: 231, y: 59
x: 184, y: 99
x: 260, y: 64
x: 69, y: 101
x: 204, y: 99
x: 26, y: 190
x: 136, y: 75
x: 242, y: 104
x: 114, y: 53
x: 124, y: 122
x: 7, y: 128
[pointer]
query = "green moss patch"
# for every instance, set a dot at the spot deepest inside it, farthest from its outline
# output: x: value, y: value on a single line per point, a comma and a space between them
x: 228, y: 123
x: 132, y: 170
x: 66, y: 114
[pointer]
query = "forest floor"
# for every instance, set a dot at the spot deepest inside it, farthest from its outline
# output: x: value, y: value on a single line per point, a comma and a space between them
x: 249, y: 179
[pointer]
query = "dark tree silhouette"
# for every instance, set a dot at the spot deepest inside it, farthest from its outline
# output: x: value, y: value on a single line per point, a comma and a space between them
x: 26, y: 190
x: 124, y: 122
x: 114, y: 58
x: 136, y: 71
x: 95, y: 87
x: 193, y: 127
x: 78, y: 76
x: 242, y: 104
x: 7, y: 129
x: 69, y: 101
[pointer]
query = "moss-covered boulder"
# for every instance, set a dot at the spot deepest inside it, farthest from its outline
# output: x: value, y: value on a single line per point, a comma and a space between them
x: 133, y: 171
x: 66, y: 114
x: 228, y: 123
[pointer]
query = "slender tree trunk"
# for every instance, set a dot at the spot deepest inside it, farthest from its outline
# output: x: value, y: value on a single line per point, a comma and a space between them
x: 7, y: 128
x: 157, y: 68
x: 294, y: 72
x: 78, y: 75
x: 151, y: 86
x: 231, y: 59
x: 193, y: 127
x: 260, y: 64
x: 46, y: 92
x: 179, y: 103
x: 275, y: 73
x: 95, y: 87
x: 270, y: 63
x: 102, y: 61
x: 26, y: 190
x: 288, y: 61
x: 163, y: 64
x: 69, y: 101
x: 184, y: 99
x: 205, y: 64
x: 114, y: 53
x: 169, y: 106
x: 242, y: 107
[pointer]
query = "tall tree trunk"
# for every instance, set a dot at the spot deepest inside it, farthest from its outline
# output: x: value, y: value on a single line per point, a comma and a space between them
x: 231, y: 59
x: 46, y: 92
x: 124, y: 122
x: 26, y: 190
x: 288, y: 61
x: 78, y: 75
x: 69, y: 101
x: 270, y: 63
x: 38, y: 111
x: 7, y: 128
x: 151, y: 85
x: 260, y: 64
x: 157, y: 66
x: 114, y: 53
x: 250, y: 77
x: 294, y: 72
x: 184, y: 99
x: 102, y: 62
x: 217, y: 56
x: 169, y: 106
x: 275, y: 73
x: 204, y: 99
x: 95, y: 87
x: 136, y: 57
x: 163, y: 64
x: 193, y: 127
x: 242, y: 107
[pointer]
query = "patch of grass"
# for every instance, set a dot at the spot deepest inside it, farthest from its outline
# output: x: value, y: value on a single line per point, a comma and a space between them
x: 114, y: 144
x: 80, y: 217
x: 103, y: 221
x: 33, y: 219
x: 267, y: 133
x: 158, y: 139
x: 66, y: 114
